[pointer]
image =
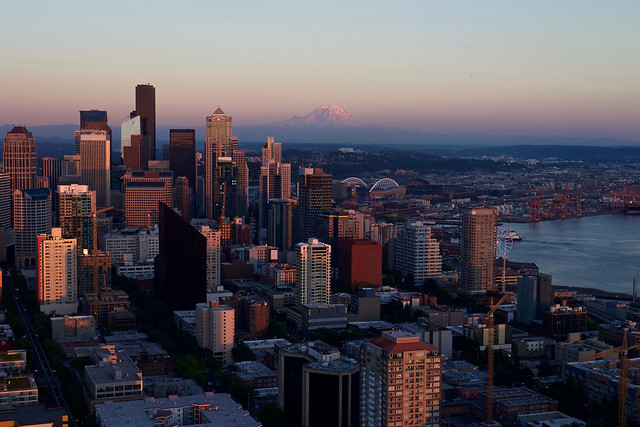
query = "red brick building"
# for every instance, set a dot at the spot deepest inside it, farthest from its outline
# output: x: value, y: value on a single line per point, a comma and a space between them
x: 360, y: 263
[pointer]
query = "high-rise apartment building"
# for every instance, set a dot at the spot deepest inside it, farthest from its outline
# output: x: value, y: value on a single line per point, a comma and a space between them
x: 213, y: 256
x: 418, y: 252
x: 215, y: 329
x: 182, y: 160
x: 181, y: 265
x: 19, y: 158
x: 146, y: 110
x: 32, y: 217
x: 57, y: 273
x: 142, y: 192
x: 76, y: 204
x: 95, y: 164
x: 219, y: 143
x: 477, y: 250
x: 6, y: 213
x: 401, y: 382
x: 280, y: 223
x: 313, y: 273
x: 314, y: 198
x: 93, y: 120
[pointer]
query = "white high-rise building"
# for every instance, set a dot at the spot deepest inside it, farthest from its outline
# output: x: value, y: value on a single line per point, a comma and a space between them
x: 57, y: 273
x: 417, y: 252
x: 215, y: 329
x: 213, y: 256
x: 313, y: 272
x: 131, y: 127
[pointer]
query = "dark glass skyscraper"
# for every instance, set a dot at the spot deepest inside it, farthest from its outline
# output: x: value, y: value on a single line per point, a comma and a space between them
x: 146, y: 109
x: 314, y: 198
x: 182, y: 157
x: 181, y: 266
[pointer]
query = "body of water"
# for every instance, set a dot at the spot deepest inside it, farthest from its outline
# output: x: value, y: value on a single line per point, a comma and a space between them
x: 600, y: 252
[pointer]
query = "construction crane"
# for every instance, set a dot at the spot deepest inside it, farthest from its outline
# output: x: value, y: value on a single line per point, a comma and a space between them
x: 533, y: 207
x: 623, y: 387
x: 492, y: 310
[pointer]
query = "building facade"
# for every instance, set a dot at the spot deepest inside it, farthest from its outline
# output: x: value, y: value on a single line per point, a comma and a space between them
x: 477, y: 250
x: 418, y: 252
x: 32, y: 217
x: 19, y: 158
x: 57, y: 273
x: 313, y: 272
x: 215, y: 329
x: 95, y: 164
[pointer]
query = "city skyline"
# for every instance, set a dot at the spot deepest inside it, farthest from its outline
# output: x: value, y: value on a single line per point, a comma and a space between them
x: 499, y: 67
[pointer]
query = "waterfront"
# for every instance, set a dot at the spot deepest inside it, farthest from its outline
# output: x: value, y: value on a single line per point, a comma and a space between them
x: 600, y: 252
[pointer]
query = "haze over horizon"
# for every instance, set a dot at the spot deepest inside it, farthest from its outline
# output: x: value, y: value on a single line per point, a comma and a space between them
x: 564, y: 69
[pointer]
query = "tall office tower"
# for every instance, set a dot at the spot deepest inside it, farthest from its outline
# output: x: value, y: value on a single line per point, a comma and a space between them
x: 418, y: 252
x: 477, y: 250
x: 401, y: 382
x: 93, y: 120
x: 275, y: 179
x: 535, y: 295
x: 180, y: 267
x: 71, y: 164
x: 146, y: 109
x: 182, y: 197
x: 76, y: 204
x: 19, y: 158
x: 228, y: 196
x: 314, y: 198
x: 280, y: 223
x: 360, y: 263
x: 215, y: 329
x: 317, y: 386
x: 213, y: 257
x: 95, y: 164
x: 52, y: 169
x: 135, y: 155
x: 219, y: 143
x: 31, y: 218
x: 57, y: 273
x: 240, y: 161
x: 6, y: 214
x: 313, y: 273
x: 90, y: 263
x: 142, y: 192
x: 182, y: 160
x: 128, y: 129
x: 42, y: 182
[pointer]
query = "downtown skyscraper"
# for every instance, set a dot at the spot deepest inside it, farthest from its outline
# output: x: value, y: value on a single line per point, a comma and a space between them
x: 226, y: 172
x: 146, y: 110
x: 95, y: 164
x: 314, y: 198
x: 19, y: 158
x: 275, y: 179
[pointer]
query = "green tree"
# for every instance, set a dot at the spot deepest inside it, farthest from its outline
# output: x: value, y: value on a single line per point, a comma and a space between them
x: 271, y: 416
x: 242, y: 353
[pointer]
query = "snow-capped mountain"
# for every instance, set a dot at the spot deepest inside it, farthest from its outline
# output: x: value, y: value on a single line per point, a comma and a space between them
x: 331, y: 115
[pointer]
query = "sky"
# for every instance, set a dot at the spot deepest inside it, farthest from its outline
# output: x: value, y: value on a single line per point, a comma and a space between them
x: 541, y: 68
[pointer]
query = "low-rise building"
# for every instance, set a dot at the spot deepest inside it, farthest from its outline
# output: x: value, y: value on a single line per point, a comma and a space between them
x: 511, y: 402
x: 186, y: 321
x: 112, y: 375
x: 13, y: 361
x: 255, y: 374
x: 18, y: 390
x: 211, y: 409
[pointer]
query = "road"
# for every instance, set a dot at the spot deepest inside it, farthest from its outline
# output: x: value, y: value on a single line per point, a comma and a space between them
x: 42, y: 371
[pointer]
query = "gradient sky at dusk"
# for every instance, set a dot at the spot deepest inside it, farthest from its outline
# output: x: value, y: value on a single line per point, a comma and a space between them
x: 562, y: 68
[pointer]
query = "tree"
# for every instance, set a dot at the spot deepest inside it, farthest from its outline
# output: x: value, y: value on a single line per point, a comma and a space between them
x: 242, y: 353
x: 277, y: 329
x: 271, y: 416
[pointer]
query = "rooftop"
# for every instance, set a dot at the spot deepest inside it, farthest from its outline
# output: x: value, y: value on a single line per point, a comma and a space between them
x: 217, y: 410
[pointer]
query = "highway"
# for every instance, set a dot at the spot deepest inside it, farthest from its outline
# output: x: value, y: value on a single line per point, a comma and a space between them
x: 42, y: 371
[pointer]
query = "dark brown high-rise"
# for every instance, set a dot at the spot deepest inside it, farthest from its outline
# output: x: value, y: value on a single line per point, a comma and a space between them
x: 182, y: 157
x: 146, y: 109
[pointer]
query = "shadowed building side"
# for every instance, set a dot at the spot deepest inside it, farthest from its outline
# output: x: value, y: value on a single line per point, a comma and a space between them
x: 180, y: 267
